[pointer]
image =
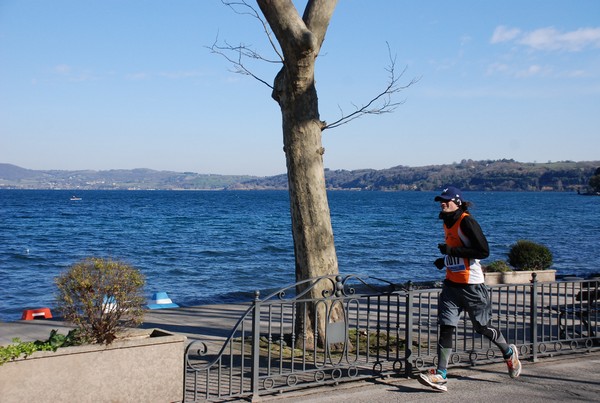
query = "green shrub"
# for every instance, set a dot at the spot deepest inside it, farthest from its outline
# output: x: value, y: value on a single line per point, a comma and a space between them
x: 498, y: 266
x: 19, y: 348
x: 101, y: 297
x: 24, y: 349
x: 528, y: 255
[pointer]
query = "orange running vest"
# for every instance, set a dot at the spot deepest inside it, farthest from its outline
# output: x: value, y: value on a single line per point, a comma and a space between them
x: 461, y: 270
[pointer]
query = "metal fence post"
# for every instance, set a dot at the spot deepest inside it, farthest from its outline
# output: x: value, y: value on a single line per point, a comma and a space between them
x: 255, y: 345
x: 408, y: 330
x: 534, y: 317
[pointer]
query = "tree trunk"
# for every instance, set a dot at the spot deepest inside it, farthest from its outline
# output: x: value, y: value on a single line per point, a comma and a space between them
x: 294, y: 90
x: 311, y: 220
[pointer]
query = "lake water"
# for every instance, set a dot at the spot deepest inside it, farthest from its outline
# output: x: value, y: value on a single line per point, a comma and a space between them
x: 211, y: 247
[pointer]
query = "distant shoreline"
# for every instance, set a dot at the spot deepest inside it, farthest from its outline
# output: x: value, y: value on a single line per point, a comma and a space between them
x: 75, y: 191
x: 486, y: 175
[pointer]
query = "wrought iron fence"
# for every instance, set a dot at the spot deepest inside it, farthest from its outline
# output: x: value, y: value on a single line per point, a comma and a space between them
x: 371, y: 327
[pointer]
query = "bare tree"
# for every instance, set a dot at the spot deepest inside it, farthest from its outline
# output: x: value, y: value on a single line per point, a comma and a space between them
x: 300, y: 40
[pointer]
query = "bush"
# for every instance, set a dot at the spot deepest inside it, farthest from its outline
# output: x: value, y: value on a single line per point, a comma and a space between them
x: 498, y: 266
x: 101, y: 297
x: 528, y: 255
x: 18, y: 349
x: 24, y: 349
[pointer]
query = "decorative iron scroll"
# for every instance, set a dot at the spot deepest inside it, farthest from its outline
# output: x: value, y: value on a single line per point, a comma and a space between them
x: 335, y: 286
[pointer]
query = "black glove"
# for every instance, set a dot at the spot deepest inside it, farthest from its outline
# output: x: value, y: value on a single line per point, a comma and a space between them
x: 440, y: 263
x: 443, y: 248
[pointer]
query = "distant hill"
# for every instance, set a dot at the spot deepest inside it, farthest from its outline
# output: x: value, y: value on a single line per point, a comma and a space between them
x: 490, y: 175
x: 499, y: 175
x: 14, y: 177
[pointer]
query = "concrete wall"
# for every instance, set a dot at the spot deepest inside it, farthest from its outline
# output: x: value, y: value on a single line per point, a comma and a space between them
x: 519, y: 277
x: 145, y: 367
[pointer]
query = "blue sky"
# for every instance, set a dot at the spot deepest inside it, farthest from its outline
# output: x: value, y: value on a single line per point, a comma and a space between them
x: 106, y: 84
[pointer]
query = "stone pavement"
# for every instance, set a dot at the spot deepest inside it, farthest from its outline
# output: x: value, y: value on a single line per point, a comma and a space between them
x: 567, y: 378
x: 210, y: 321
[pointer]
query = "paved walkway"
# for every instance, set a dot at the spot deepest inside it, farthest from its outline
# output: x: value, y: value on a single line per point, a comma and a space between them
x: 572, y: 378
x: 210, y: 321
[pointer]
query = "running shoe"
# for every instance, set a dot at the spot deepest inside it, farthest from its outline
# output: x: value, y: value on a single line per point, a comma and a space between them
x: 513, y: 363
x: 433, y: 380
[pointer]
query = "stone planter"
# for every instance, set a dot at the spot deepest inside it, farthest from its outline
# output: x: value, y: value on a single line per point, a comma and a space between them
x: 519, y: 277
x: 144, y: 366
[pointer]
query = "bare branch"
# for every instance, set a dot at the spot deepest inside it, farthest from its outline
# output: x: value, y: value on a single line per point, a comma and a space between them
x: 243, y: 8
x: 237, y: 63
x: 380, y: 104
x: 237, y: 54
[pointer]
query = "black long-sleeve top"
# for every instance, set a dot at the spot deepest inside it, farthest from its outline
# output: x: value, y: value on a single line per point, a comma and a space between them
x: 479, y: 248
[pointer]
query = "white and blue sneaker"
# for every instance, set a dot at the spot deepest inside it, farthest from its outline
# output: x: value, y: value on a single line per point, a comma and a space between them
x: 434, y: 380
x: 513, y: 363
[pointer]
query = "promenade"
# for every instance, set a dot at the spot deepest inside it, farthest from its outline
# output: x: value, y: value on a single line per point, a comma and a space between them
x: 567, y: 378
x: 212, y: 322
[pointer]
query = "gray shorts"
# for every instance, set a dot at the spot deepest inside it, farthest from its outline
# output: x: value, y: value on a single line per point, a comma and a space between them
x: 471, y: 298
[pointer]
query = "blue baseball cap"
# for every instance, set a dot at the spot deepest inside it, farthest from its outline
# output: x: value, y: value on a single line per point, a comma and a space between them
x: 450, y: 193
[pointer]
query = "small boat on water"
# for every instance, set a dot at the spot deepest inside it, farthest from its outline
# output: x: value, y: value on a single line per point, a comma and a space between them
x: 75, y: 198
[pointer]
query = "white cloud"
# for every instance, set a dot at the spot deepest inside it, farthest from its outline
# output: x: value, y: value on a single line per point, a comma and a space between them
x: 577, y: 73
x: 62, y: 69
x: 504, y: 34
x: 574, y: 41
x: 173, y: 75
x: 465, y: 40
x: 497, y: 68
x: 138, y: 76
x: 68, y: 73
x: 181, y: 74
x: 530, y: 71
x: 549, y: 38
